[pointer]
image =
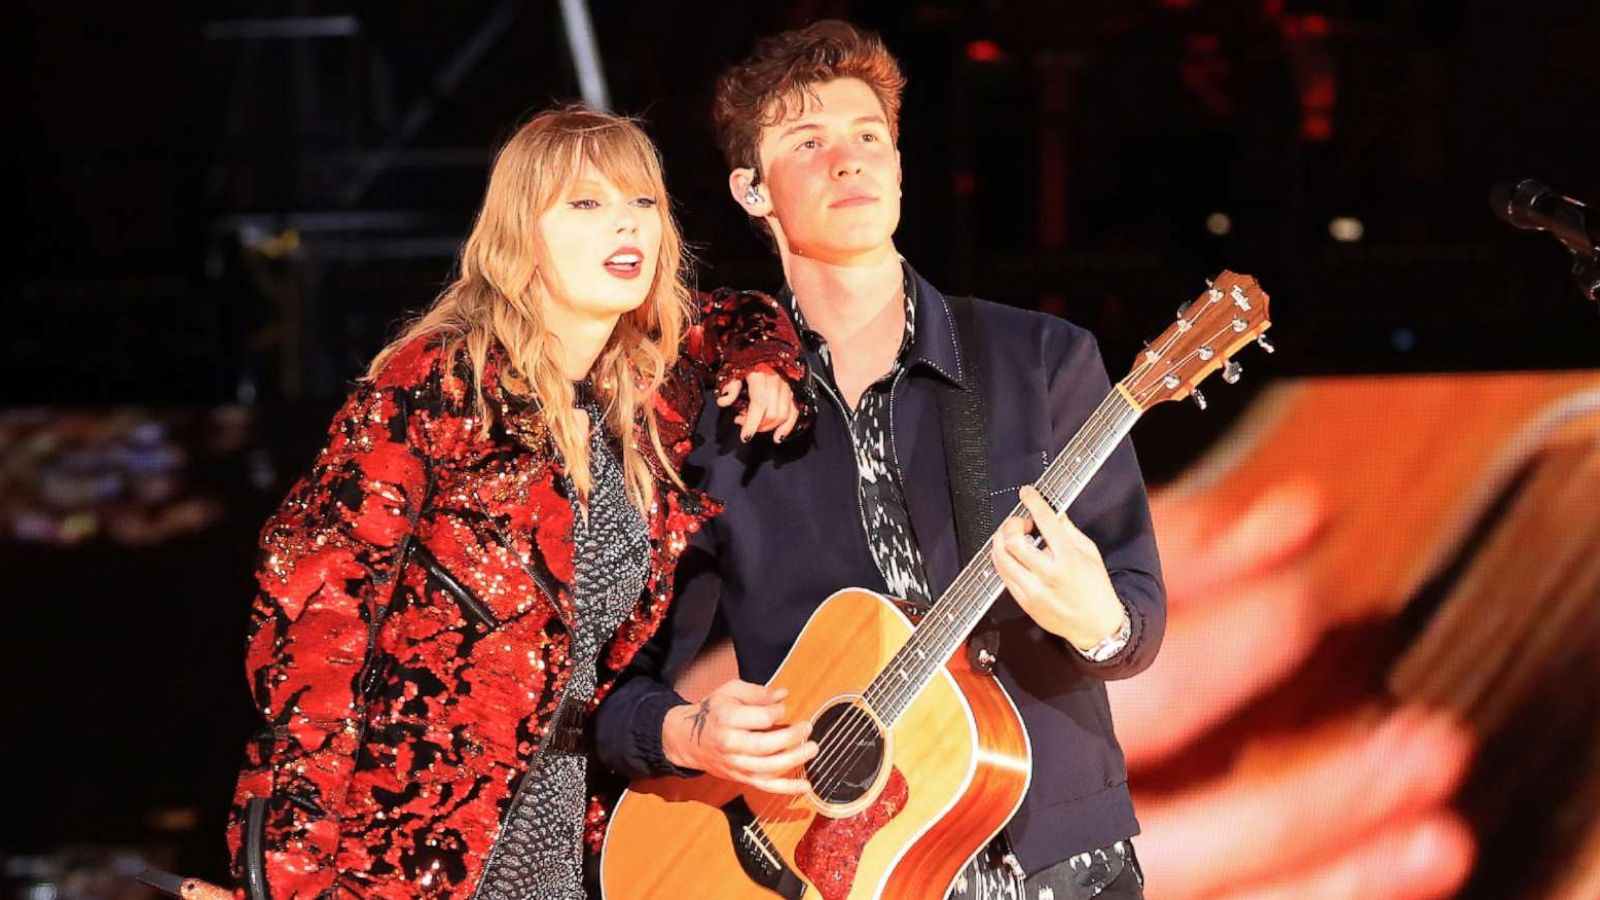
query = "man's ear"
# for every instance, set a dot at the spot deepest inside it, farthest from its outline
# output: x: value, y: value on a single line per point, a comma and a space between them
x: 899, y: 173
x: 752, y: 197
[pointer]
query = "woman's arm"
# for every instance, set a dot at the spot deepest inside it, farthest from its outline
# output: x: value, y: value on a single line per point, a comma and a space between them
x: 736, y: 333
x: 329, y: 557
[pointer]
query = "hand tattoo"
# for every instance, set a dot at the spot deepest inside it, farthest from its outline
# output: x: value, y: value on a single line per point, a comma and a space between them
x: 697, y: 722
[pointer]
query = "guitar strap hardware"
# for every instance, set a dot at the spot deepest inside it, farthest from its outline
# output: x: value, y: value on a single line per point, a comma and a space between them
x: 963, y: 422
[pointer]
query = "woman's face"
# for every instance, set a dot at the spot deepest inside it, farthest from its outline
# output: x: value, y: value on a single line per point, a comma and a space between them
x: 603, y: 245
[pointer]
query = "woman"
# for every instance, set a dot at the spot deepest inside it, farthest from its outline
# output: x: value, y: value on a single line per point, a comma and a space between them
x: 488, y: 537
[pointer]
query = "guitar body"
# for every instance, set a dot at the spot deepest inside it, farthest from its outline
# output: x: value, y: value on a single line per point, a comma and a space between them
x: 923, y: 797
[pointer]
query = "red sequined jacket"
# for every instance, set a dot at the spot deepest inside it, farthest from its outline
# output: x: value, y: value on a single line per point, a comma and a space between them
x: 408, y: 646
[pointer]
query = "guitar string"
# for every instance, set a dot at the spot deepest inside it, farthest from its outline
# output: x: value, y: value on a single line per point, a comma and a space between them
x: 974, y: 584
x: 983, y: 583
x: 1121, y: 418
x: 949, y: 623
x: 980, y: 584
x: 837, y: 745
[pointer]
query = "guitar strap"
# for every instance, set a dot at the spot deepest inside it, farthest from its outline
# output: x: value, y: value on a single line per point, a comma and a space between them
x: 964, y: 423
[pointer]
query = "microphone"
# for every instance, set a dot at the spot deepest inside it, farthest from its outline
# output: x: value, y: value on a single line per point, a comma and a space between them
x: 1529, y: 204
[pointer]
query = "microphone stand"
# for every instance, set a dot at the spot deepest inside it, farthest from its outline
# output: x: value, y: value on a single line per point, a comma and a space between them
x: 1586, y: 271
x: 1537, y: 207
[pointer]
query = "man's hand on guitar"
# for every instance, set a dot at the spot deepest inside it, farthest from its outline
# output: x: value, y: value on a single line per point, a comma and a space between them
x: 1063, y: 585
x: 737, y: 733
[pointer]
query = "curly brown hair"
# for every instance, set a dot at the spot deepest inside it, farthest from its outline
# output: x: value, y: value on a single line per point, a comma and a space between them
x: 773, y: 82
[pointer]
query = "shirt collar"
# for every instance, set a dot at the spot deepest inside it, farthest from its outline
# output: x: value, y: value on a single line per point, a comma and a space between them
x: 929, y: 337
x: 935, y: 344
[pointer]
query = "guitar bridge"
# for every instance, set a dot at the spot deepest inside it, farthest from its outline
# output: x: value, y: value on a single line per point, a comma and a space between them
x: 757, y: 855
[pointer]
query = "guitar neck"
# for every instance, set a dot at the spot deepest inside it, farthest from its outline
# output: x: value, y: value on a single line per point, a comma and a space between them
x: 946, y: 625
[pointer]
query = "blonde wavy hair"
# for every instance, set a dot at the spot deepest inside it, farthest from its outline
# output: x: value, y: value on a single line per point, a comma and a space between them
x: 499, y: 292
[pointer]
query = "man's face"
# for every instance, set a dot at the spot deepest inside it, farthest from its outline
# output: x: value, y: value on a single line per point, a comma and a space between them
x: 832, y: 175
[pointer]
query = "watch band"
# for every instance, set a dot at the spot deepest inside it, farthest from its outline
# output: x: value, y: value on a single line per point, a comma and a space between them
x: 1111, y: 645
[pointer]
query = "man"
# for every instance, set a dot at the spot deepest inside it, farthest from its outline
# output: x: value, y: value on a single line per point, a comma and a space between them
x: 809, y: 124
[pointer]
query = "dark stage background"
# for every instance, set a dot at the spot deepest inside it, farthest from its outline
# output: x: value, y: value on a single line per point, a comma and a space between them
x: 220, y: 210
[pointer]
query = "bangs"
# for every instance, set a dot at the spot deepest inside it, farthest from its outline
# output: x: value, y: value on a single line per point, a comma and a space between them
x: 618, y: 151
x: 623, y: 154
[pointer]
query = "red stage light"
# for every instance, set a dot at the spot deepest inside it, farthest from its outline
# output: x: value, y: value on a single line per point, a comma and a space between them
x: 1316, y: 127
x: 984, y: 51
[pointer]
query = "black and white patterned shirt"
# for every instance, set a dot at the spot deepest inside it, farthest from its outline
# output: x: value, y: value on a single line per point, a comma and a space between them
x: 883, y: 503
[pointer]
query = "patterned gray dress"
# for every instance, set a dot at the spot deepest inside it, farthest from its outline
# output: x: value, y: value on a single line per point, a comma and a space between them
x: 540, y: 853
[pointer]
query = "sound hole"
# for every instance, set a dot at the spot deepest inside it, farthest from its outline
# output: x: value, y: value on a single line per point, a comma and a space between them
x: 852, y: 754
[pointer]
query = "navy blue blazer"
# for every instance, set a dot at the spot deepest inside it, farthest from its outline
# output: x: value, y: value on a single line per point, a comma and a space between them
x: 793, y: 534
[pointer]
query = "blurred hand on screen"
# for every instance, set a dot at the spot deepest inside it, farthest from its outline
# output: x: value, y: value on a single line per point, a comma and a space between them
x: 1363, y: 813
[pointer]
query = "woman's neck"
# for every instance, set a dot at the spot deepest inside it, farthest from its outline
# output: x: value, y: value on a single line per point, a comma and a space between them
x: 579, y: 340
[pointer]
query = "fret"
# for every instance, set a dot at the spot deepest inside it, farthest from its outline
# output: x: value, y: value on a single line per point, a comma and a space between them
x: 978, y: 585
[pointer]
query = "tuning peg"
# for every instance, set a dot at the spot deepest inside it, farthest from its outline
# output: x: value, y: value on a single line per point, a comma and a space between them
x: 1199, y: 398
x: 1264, y: 344
x: 1231, y: 372
x: 1183, y: 309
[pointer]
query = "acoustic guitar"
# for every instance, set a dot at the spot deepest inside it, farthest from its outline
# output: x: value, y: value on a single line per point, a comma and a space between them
x: 922, y: 757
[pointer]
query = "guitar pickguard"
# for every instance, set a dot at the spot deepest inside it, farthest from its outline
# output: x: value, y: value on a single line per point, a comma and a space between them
x: 831, y: 848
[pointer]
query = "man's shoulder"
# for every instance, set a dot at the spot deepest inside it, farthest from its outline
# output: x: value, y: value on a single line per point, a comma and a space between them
x: 1053, y: 334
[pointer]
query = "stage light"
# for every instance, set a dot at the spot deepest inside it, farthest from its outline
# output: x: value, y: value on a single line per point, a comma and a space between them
x: 1347, y: 229
x: 585, y: 54
x: 984, y: 51
x: 1219, y: 224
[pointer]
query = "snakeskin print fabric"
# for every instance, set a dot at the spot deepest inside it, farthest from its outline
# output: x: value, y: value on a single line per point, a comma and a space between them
x: 540, y: 852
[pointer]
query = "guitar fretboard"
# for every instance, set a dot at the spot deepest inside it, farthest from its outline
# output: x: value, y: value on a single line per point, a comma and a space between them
x: 952, y: 617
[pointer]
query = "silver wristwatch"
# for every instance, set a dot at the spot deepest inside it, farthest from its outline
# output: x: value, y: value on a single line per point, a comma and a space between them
x: 1112, y: 645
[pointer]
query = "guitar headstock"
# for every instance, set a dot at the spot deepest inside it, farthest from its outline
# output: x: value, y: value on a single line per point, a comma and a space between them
x: 1230, y: 313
